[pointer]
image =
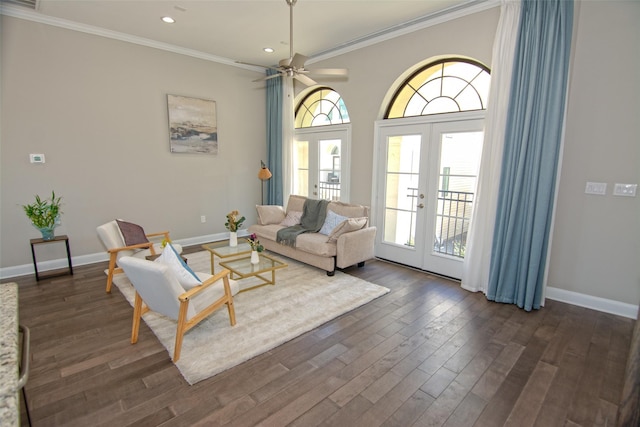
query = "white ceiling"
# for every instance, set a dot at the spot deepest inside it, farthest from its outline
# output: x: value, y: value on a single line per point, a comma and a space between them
x: 238, y: 30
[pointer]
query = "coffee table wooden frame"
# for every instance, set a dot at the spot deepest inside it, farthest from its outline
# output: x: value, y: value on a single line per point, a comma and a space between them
x: 241, y: 268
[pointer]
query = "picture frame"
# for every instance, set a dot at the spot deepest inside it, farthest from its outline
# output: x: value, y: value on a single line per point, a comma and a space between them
x: 193, y: 126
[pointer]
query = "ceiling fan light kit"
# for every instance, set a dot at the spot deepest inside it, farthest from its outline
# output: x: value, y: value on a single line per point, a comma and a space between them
x: 293, y: 66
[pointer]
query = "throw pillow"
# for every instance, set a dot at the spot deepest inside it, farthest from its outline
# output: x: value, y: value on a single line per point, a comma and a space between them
x: 330, y: 222
x: 133, y: 234
x: 349, y: 224
x: 293, y: 218
x: 270, y: 214
x: 172, y: 259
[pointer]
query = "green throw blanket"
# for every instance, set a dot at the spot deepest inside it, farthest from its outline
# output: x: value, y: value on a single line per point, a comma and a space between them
x: 313, y: 215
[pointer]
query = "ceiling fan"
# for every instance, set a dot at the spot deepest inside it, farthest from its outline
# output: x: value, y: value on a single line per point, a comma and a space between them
x: 293, y: 66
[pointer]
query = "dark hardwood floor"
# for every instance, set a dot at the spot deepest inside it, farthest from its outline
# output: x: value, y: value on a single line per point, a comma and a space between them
x: 426, y: 354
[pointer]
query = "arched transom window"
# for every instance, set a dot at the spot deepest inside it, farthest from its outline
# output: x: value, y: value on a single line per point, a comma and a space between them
x: 321, y: 107
x: 446, y: 86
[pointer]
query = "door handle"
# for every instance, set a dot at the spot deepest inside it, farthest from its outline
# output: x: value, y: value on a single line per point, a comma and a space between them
x: 421, y: 205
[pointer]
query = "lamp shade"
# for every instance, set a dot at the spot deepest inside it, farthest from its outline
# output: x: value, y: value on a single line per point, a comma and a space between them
x: 264, y: 173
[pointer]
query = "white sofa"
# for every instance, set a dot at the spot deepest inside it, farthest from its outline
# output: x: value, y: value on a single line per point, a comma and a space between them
x: 351, y: 243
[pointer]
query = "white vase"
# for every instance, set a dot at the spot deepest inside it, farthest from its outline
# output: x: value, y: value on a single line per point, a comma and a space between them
x: 255, y: 258
x: 233, y: 239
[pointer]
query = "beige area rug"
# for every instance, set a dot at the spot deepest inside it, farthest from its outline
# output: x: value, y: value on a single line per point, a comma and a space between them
x: 303, y: 298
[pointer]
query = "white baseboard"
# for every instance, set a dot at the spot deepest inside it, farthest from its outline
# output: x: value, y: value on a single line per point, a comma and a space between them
x: 43, y: 266
x: 595, y: 303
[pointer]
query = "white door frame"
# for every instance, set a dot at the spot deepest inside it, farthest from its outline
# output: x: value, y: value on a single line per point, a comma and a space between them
x: 415, y: 257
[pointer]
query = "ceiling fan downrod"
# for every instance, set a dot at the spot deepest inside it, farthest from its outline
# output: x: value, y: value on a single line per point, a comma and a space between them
x: 291, y: 3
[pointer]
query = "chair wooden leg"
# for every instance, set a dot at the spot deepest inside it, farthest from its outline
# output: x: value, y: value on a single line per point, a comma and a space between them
x: 112, y: 266
x: 137, y: 314
x: 182, y: 320
x: 232, y: 312
x: 230, y: 307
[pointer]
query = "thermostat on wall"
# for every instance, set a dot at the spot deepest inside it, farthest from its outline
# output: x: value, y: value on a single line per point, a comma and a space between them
x: 36, y: 158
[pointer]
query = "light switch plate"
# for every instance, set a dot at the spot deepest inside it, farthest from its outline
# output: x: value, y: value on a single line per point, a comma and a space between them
x: 599, y: 188
x: 627, y: 190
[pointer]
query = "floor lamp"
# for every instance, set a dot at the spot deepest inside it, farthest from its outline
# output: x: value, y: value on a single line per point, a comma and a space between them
x: 264, y: 174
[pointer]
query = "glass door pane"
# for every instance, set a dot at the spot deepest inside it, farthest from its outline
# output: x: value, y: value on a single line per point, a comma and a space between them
x: 401, y: 189
x: 460, y: 154
x: 301, y: 168
x: 329, y: 170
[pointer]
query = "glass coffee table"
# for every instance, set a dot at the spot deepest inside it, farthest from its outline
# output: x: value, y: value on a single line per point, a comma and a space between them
x: 241, y: 268
x: 224, y: 251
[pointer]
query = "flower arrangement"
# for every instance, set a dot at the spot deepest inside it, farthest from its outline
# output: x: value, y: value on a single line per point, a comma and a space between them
x: 233, y: 222
x: 255, y: 243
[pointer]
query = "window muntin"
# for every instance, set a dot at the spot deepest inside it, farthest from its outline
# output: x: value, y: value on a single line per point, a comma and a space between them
x: 321, y: 107
x: 447, y: 86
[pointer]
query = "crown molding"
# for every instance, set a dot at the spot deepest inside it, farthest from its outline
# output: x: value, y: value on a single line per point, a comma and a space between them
x: 445, y: 15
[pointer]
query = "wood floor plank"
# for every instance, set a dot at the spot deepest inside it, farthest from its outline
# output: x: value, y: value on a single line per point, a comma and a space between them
x: 426, y: 353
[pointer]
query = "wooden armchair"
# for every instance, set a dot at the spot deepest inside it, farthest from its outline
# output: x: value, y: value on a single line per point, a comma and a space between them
x: 158, y: 289
x: 143, y: 245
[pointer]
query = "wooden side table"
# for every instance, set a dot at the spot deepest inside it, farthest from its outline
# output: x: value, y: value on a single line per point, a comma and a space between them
x: 62, y: 238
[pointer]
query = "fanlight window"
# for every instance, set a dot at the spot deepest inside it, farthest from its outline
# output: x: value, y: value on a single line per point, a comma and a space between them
x: 321, y: 107
x: 447, y: 86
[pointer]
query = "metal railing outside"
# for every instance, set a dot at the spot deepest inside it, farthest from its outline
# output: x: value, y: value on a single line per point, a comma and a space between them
x: 452, y: 222
x: 329, y: 191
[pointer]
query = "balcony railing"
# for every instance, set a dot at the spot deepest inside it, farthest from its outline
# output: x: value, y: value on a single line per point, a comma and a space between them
x: 453, y: 216
x: 452, y: 222
x: 329, y: 191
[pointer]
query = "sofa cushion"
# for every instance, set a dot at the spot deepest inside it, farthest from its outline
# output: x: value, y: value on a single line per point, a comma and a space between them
x: 316, y: 243
x: 269, y: 232
x: 348, y: 210
x: 270, y: 214
x: 330, y: 222
x: 296, y: 203
x: 292, y: 218
x: 346, y: 226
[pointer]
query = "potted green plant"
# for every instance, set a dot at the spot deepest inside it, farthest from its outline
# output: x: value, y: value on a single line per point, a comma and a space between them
x: 44, y: 214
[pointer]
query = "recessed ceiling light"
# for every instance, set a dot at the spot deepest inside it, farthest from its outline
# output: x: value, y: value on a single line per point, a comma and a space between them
x: 268, y: 49
x: 168, y: 19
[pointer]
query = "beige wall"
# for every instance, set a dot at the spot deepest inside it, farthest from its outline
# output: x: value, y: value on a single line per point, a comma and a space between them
x: 96, y: 108
x: 595, y: 248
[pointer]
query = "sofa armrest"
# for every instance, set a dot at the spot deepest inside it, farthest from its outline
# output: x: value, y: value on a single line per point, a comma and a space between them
x: 355, y: 247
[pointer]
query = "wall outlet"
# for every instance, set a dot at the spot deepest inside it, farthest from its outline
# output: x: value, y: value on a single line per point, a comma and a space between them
x: 628, y: 190
x: 203, y: 219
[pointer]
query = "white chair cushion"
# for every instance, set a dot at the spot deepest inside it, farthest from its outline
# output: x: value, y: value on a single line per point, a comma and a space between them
x: 157, y: 286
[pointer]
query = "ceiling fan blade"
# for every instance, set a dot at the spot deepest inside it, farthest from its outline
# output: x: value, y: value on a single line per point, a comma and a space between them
x: 329, y: 71
x: 298, y: 61
x: 268, y: 77
x: 304, y: 79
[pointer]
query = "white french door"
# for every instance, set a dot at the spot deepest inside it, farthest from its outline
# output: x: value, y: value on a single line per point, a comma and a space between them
x: 424, y: 192
x: 321, y: 163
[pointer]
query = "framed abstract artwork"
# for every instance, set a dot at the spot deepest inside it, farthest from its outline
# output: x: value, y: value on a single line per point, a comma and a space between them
x: 193, y: 127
